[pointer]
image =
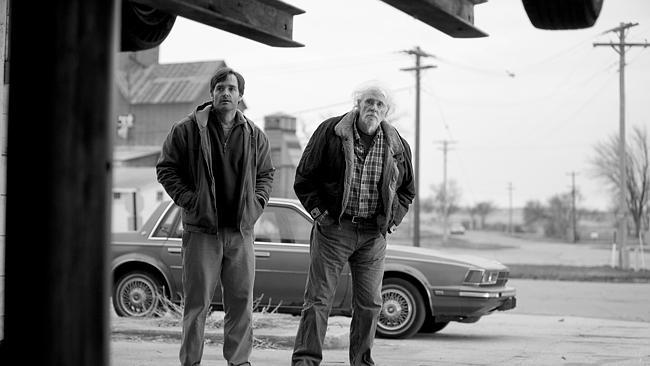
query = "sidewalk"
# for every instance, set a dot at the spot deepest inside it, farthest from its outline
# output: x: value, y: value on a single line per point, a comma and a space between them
x: 269, y: 330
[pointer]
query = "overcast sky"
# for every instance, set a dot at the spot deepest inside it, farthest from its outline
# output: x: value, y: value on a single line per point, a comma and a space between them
x: 522, y: 106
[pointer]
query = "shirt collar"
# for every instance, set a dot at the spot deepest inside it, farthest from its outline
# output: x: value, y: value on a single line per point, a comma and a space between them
x: 239, y: 117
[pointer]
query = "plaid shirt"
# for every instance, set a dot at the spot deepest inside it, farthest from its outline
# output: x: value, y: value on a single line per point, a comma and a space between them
x: 364, y: 193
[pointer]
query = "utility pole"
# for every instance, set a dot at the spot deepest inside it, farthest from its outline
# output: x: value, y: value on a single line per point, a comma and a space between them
x: 574, y: 229
x: 510, y: 207
x: 445, y: 201
x: 620, y: 48
x: 418, y: 53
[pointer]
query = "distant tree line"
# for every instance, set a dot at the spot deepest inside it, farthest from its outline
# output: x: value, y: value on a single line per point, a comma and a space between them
x: 606, y: 166
x: 555, y: 217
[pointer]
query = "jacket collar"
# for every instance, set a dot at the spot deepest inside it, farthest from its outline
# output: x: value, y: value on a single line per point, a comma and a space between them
x: 344, y: 130
x: 202, y: 113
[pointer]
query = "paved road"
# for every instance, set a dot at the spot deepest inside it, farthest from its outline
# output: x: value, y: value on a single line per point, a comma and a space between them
x: 555, y: 323
x: 619, y: 301
x: 500, y: 339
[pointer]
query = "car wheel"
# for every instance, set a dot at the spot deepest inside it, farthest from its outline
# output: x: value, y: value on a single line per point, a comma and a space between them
x: 562, y: 14
x: 136, y: 294
x: 143, y: 27
x: 402, y: 311
x: 433, y: 326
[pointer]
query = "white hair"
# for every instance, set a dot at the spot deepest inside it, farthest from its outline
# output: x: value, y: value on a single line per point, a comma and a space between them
x: 375, y: 89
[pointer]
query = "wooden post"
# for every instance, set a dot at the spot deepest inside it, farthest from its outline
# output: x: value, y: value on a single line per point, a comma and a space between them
x: 58, y: 182
x: 418, y: 53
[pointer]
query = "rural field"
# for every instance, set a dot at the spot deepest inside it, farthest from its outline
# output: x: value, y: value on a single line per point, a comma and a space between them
x: 535, y: 258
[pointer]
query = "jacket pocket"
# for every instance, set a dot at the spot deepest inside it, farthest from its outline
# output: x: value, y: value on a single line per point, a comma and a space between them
x: 252, y: 211
x: 201, y: 211
x: 398, y: 213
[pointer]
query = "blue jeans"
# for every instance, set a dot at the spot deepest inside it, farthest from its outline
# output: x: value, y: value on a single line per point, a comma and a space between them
x: 364, y: 247
x: 208, y: 258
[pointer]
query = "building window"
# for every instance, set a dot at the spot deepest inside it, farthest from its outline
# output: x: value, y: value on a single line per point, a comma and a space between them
x: 117, y: 195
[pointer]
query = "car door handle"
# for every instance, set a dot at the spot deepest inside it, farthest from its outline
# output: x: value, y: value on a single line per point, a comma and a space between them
x: 263, y: 254
x: 174, y: 250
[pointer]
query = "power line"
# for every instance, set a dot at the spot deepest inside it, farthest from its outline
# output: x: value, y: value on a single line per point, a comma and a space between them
x: 348, y: 101
x: 440, y: 111
x: 482, y: 70
x: 571, y: 117
x: 320, y: 64
x: 559, y: 53
x: 450, y: 134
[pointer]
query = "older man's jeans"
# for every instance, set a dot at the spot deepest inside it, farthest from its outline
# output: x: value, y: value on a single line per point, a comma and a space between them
x: 364, y: 247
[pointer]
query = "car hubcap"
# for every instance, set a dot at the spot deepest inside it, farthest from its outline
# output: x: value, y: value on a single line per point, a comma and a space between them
x: 396, y: 311
x: 138, y: 298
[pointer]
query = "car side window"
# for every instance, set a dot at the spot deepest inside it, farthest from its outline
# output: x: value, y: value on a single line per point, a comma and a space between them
x: 298, y: 227
x: 282, y: 225
x: 178, y: 232
x: 166, y: 226
x: 267, y: 228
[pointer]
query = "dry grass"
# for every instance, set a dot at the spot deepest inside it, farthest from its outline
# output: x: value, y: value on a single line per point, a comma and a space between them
x: 170, y: 314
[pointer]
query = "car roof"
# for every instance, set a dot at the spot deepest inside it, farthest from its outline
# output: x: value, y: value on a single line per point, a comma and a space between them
x: 272, y: 200
x: 289, y: 201
x: 285, y: 200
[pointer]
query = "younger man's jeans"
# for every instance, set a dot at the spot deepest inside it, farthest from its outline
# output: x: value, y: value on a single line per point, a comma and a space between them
x: 228, y: 256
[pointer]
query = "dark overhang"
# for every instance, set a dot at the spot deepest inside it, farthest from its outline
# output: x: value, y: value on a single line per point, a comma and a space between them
x: 266, y: 21
x: 453, y: 17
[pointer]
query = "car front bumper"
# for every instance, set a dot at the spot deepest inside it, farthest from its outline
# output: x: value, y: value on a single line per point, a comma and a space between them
x: 470, y: 303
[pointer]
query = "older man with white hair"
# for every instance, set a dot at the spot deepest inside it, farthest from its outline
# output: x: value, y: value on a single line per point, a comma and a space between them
x: 355, y: 178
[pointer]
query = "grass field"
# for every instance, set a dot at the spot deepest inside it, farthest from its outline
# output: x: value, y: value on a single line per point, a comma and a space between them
x: 529, y: 271
x: 575, y: 273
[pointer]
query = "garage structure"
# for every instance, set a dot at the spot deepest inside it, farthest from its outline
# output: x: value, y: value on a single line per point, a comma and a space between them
x: 58, y: 77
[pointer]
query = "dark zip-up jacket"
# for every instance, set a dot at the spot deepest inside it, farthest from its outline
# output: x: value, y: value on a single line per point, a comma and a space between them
x: 185, y: 171
x: 324, y: 174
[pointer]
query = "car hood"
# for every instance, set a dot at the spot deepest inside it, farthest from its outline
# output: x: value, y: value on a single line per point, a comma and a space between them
x: 438, y: 256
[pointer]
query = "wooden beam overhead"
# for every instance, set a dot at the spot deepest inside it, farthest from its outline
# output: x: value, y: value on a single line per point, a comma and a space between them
x: 266, y: 21
x: 453, y: 17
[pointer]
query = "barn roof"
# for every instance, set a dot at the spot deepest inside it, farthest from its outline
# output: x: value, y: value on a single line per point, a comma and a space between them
x: 167, y: 83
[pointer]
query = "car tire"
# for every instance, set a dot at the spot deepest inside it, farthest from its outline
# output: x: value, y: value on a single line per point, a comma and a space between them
x: 136, y: 294
x: 143, y: 27
x: 562, y: 14
x: 433, y: 326
x: 403, y: 310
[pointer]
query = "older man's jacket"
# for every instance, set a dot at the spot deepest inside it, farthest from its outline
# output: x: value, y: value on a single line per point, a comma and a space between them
x: 324, y: 174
